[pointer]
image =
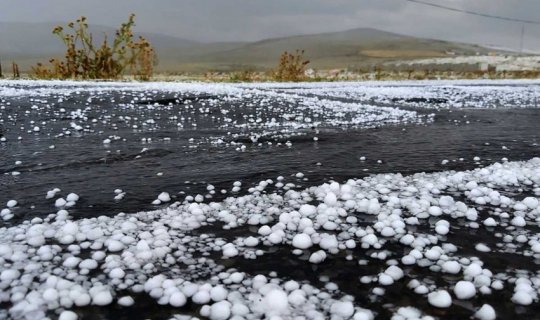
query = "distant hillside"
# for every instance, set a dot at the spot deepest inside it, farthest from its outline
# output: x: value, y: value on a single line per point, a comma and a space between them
x: 352, y: 48
x: 28, y: 43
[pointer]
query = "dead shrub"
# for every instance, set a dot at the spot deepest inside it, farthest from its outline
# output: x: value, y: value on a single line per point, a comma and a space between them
x: 291, y: 67
x: 85, y: 60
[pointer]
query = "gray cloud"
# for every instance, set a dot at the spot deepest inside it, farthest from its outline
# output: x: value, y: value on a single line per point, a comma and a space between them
x: 247, y: 20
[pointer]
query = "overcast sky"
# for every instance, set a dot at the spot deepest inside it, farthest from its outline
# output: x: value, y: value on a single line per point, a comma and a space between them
x: 247, y: 20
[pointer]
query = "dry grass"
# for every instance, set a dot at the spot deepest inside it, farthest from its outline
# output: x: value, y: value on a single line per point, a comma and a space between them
x: 291, y: 67
x: 16, y: 72
x: 85, y: 60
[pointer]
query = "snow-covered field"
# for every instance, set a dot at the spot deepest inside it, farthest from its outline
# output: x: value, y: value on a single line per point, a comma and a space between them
x: 508, y: 63
x: 462, y: 243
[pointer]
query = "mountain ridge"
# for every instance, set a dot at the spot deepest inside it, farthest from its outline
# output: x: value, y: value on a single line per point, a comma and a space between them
x: 28, y: 43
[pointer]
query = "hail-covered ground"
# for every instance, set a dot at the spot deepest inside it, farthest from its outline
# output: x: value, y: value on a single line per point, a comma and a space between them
x: 404, y: 200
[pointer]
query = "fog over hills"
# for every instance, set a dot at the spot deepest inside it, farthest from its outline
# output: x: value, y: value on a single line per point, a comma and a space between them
x: 28, y: 43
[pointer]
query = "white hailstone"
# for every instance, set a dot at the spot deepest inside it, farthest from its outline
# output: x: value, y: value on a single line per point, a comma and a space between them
x: 363, y: 314
x: 522, y: 297
x: 11, y: 203
x: 328, y: 242
x: 407, y: 239
x: 239, y: 309
x: 464, y: 290
x: 68, y: 315
x: 164, y: 197
x: 370, y: 239
x: 275, y: 302
x: 229, y: 250
x: 388, y: 232
x: 70, y: 228
x: 422, y: 289
x: 236, y: 277
x: 251, y: 242
x: 497, y: 285
x: 297, y: 297
x: 189, y: 289
x: 531, y: 202
x: 50, y: 295
x: 520, y: 206
x: 291, y: 285
x: 73, y: 197
x: 518, y: 221
x: 218, y: 293
x: 472, y: 214
x: 115, y: 246
x: 433, y: 254
x: 82, y: 300
x: 344, y: 309
x: 486, y: 312
x: 102, y: 298
x: 307, y: 210
x: 117, y: 273
x: 201, y: 297
x: 395, y: 272
x: 473, y: 270
x: 442, y: 230
x: 89, y: 264
x: 317, y: 257
x: 177, y: 299
x: 408, y: 260
x: 446, y: 201
x: 275, y: 238
x: 302, y: 241
x: 350, y: 244
x: 264, y: 230
x: 330, y: 199
x: 440, y: 299
x: 60, y: 202
x: 9, y: 275
x: 452, y: 267
x: 442, y: 227
x: 407, y: 313
x: 52, y: 193
x: 107, y: 141
x: 36, y: 129
x: 482, y: 280
x: 435, y: 211
x: 220, y: 310
x: 490, y: 222
x: 482, y: 247
x: 385, y: 279
x: 126, y: 301
x: 71, y: 262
